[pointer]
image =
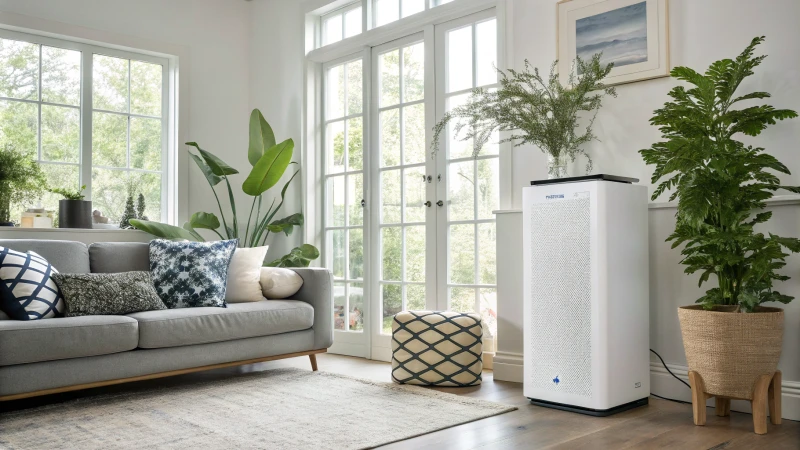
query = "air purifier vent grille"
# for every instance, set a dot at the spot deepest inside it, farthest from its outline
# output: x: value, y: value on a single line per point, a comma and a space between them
x: 561, y: 295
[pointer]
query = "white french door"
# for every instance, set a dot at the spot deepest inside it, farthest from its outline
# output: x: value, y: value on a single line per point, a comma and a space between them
x: 406, y: 229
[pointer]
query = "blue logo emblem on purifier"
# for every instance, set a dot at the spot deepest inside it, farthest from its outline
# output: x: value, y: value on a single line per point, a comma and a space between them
x: 556, y: 380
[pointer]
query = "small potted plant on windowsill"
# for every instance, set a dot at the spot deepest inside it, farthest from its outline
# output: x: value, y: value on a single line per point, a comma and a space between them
x: 537, y: 111
x: 732, y: 342
x: 21, y: 181
x: 73, y: 210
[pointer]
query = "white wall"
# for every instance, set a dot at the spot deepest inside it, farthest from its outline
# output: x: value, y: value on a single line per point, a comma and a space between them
x: 700, y: 33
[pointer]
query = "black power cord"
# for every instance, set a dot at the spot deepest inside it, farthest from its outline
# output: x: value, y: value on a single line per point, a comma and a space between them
x: 676, y: 377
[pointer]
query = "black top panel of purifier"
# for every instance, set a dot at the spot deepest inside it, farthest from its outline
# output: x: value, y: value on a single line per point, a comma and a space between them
x: 599, y: 176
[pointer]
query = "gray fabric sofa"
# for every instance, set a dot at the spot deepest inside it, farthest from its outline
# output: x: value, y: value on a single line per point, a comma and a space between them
x: 55, y: 355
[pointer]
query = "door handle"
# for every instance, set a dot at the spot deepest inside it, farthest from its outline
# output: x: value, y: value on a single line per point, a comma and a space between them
x: 428, y: 203
x: 440, y: 203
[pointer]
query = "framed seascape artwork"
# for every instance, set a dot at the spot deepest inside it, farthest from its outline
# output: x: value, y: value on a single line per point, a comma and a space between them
x: 633, y: 34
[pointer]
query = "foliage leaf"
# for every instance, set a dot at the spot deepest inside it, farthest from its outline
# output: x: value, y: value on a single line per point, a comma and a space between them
x: 298, y: 257
x: 261, y: 137
x: 269, y: 169
x: 218, y: 167
x: 163, y: 230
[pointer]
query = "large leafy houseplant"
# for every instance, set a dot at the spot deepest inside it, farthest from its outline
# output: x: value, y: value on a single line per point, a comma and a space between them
x: 722, y: 184
x: 537, y: 111
x: 270, y: 160
x: 21, y: 181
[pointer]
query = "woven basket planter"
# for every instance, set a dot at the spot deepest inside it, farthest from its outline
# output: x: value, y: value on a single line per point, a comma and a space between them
x: 731, y: 350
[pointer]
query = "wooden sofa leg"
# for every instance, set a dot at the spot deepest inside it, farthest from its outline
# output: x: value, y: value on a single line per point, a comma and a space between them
x: 313, y: 359
x: 775, y: 398
x: 698, y: 398
x: 759, y: 403
x: 723, y: 406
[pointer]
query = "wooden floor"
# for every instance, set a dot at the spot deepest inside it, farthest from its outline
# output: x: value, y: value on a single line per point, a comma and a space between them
x: 662, y: 424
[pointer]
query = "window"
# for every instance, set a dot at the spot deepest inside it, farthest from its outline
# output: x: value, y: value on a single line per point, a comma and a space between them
x: 341, y: 24
x: 116, y: 147
x: 388, y: 11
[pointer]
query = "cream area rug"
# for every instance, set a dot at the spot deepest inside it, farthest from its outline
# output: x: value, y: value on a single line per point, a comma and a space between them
x: 275, y: 409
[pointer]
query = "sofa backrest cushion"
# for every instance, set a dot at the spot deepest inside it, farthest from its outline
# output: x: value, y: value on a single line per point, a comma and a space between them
x: 65, y: 256
x: 114, y: 257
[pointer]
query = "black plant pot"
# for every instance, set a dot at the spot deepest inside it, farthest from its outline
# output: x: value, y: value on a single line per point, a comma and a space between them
x: 74, y: 214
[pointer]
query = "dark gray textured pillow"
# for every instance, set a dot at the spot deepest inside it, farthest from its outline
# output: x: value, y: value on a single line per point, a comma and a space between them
x: 94, y: 294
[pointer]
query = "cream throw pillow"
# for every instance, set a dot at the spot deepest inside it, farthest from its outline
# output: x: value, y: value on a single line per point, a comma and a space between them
x: 277, y: 282
x: 244, y: 275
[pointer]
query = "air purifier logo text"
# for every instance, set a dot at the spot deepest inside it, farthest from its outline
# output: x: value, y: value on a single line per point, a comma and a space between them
x: 554, y: 196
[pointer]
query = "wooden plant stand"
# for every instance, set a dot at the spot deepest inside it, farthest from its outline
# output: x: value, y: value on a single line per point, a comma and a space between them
x: 767, y: 390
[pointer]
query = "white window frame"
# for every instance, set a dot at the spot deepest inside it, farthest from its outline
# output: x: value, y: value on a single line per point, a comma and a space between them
x: 339, y: 11
x: 168, y: 158
x: 313, y: 145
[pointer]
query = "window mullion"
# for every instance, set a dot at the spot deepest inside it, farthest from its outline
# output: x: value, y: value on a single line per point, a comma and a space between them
x: 86, y: 121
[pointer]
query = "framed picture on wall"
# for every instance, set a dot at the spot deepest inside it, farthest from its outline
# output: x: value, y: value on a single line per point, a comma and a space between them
x: 633, y: 34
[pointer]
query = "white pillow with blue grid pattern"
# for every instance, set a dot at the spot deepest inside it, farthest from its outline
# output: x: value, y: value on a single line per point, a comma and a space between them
x: 27, y: 292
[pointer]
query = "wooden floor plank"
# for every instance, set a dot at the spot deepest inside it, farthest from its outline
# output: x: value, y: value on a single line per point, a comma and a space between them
x: 661, y: 424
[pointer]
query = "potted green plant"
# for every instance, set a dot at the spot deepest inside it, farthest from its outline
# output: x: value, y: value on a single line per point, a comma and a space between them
x: 270, y: 160
x: 73, y: 210
x: 21, y: 181
x: 721, y: 185
x: 536, y: 111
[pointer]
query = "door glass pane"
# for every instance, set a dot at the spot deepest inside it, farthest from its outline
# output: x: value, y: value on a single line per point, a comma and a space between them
x: 355, y: 76
x: 334, y: 100
x: 339, y: 302
x: 457, y: 146
x: 459, y: 59
x: 146, y: 88
x: 109, y: 140
x: 352, y: 22
x: 415, y: 185
x: 389, y: 78
x: 461, y: 191
x: 414, y: 149
x: 414, y: 72
x: 390, y: 137
x: 332, y: 29
x: 462, y: 299
x: 355, y: 144
x: 355, y: 193
x: 391, y: 253
x: 356, y: 259
x: 19, y: 70
x: 486, y: 52
x: 415, y: 297
x: 61, y: 134
x: 462, y: 254
x: 356, y: 302
x: 392, y: 299
x: 61, y: 76
x: 415, y: 253
x: 386, y: 11
x: 335, y: 204
x: 336, y: 240
x: 110, y: 83
x: 488, y: 187
x: 334, y: 137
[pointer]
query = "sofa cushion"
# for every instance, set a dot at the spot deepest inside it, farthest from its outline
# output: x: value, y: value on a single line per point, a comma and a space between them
x: 114, y: 257
x: 190, y: 326
x: 66, y: 256
x: 24, y: 342
x: 98, y: 294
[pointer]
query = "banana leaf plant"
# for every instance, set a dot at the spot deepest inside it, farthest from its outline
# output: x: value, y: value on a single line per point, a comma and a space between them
x: 270, y: 160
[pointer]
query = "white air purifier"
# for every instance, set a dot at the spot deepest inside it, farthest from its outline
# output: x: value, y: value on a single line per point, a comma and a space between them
x: 586, y: 294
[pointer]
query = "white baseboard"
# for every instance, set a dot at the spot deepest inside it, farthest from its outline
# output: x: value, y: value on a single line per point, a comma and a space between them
x: 509, y: 367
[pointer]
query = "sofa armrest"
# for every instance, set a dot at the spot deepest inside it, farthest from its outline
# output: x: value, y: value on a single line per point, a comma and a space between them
x: 317, y: 291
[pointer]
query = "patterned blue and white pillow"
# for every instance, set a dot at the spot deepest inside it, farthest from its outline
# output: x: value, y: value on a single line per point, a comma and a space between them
x: 191, y: 274
x: 26, y: 290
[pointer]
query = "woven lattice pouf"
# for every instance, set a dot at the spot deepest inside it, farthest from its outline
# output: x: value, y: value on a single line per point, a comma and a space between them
x: 437, y: 348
